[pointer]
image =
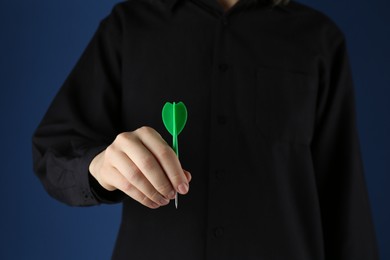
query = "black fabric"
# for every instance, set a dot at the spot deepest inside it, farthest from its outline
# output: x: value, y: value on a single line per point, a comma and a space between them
x: 271, y: 138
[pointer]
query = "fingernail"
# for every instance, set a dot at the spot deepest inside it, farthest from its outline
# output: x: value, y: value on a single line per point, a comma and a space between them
x: 183, y: 188
x: 171, y: 195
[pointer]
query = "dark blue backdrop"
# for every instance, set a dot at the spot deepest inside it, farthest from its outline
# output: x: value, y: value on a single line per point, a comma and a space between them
x: 40, y: 42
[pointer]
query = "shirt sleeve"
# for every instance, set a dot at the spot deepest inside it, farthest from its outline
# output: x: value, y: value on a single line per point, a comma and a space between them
x: 345, y: 210
x: 82, y: 120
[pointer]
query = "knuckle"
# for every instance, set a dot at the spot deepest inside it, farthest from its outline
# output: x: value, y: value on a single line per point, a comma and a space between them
x: 120, y: 137
x: 164, y: 188
x: 123, y: 138
x: 148, y: 163
x: 134, y: 176
x: 144, y: 200
x: 165, y: 152
x: 145, y: 130
x: 177, y: 178
x: 127, y: 187
x: 155, y: 196
x: 157, y: 133
x: 110, y: 151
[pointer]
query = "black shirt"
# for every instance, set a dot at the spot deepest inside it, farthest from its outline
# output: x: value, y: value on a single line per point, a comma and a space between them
x: 271, y: 138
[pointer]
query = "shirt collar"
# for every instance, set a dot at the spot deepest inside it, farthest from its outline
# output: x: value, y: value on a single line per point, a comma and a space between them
x: 287, y: 8
x: 171, y: 4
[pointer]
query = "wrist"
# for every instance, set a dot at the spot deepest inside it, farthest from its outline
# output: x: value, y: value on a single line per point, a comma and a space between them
x: 95, y: 165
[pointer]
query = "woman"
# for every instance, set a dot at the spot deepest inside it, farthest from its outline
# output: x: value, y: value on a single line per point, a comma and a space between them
x: 271, y: 138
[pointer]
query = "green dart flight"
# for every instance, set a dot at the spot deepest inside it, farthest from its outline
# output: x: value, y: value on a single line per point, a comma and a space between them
x: 174, y: 117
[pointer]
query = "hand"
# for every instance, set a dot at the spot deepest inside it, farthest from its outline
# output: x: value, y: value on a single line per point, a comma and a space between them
x: 142, y: 165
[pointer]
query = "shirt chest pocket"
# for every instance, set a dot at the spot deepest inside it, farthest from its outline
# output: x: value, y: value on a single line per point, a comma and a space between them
x: 285, y: 104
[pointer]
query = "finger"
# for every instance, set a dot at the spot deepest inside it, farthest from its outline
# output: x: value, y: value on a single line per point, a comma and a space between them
x: 149, y: 166
x: 136, y: 178
x: 188, y: 175
x: 117, y: 180
x: 166, y: 158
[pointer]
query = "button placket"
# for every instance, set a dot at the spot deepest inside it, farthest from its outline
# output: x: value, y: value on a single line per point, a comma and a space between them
x: 224, y: 20
x: 217, y: 205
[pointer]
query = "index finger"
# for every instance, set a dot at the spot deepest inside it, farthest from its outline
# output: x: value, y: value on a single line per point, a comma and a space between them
x: 166, y: 157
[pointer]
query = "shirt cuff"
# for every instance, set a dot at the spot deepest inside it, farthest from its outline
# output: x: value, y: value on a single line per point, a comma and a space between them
x: 105, y: 196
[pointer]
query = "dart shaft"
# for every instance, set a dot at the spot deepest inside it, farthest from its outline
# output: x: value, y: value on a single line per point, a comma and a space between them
x: 176, y: 149
x: 175, y: 145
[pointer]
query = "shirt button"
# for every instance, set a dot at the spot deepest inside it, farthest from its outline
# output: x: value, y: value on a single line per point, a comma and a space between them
x: 223, y: 67
x: 219, y: 174
x: 218, y: 232
x: 221, y: 120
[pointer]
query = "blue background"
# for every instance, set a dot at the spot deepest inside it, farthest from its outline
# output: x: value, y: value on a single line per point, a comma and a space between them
x: 40, y: 42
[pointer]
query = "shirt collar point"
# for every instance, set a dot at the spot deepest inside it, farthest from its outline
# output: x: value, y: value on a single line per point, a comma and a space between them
x: 285, y: 8
x: 170, y: 3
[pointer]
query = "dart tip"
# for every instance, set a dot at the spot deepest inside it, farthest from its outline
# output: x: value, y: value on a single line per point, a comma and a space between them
x: 176, y: 201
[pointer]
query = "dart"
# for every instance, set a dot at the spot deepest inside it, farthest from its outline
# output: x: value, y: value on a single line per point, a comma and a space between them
x: 174, y: 117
